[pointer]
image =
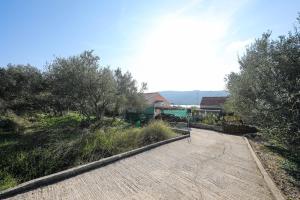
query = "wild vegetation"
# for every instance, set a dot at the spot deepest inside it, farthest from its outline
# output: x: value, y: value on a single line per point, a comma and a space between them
x: 266, y: 93
x: 41, y: 144
x: 77, y: 83
x: 69, y: 114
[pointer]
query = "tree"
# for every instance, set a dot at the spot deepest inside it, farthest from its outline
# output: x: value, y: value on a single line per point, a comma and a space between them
x: 79, y: 83
x: 266, y: 91
x: 128, y: 96
x: 20, y: 87
x: 75, y: 83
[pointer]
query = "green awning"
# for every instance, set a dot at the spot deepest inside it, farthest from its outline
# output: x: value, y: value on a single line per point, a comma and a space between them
x: 176, y: 112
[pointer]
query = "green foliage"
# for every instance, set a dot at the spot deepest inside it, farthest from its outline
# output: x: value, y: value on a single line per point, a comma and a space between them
x: 154, y: 132
x: 290, y: 160
x: 228, y: 107
x: 41, y: 148
x: 77, y: 83
x: 108, y: 123
x: 80, y: 84
x: 49, y: 144
x: 48, y: 121
x: 102, y: 144
x: 128, y: 97
x: 111, y: 141
x: 6, y: 181
x: 20, y: 88
x: 232, y: 119
x: 11, y: 122
x: 210, y: 119
x: 266, y: 90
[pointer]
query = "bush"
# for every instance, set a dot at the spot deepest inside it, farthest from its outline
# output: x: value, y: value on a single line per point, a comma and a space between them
x: 232, y: 119
x: 111, y: 141
x: 156, y: 131
x: 97, y: 145
x: 210, y: 119
x: 101, y: 144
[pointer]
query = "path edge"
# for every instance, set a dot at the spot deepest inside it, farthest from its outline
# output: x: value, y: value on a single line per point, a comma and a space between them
x: 269, y: 181
x: 62, y: 175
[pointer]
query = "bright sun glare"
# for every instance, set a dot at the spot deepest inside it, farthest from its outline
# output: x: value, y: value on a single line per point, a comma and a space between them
x: 180, y: 44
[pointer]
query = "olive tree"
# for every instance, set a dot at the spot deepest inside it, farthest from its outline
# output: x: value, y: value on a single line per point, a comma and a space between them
x: 20, y: 88
x: 79, y: 83
x: 128, y: 95
x: 266, y: 91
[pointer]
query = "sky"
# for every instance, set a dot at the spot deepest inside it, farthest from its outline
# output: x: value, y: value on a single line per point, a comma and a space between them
x: 169, y: 44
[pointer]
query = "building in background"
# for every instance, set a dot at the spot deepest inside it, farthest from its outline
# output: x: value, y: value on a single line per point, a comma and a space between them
x: 156, y: 103
x: 156, y: 100
x: 158, y: 107
x: 213, y: 105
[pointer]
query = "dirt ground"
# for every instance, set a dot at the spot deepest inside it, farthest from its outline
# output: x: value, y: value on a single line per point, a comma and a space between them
x: 272, y: 163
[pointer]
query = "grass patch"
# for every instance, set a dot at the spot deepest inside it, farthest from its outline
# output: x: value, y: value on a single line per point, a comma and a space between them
x: 45, y: 121
x: 112, y: 141
x: 6, y: 181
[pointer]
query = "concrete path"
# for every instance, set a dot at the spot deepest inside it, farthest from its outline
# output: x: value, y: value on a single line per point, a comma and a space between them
x: 209, y: 166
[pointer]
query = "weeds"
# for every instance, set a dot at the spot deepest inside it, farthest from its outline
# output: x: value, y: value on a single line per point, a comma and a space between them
x: 58, y: 143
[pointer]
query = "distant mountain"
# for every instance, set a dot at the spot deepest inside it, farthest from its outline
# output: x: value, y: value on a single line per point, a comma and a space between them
x: 190, y: 97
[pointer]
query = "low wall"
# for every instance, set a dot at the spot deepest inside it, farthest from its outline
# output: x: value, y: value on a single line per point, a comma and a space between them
x: 178, y: 125
x: 238, y: 129
x: 206, y: 126
x: 226, y: 128
x: 182, y: 131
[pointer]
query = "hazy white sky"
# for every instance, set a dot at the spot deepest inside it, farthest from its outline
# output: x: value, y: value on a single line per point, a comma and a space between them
x: 195, y: 44
x: 170, y: 44
x: 186, y: 51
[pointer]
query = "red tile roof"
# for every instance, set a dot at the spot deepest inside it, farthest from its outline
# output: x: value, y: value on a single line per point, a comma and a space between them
x: 213, y: 101
x: 154, y: 97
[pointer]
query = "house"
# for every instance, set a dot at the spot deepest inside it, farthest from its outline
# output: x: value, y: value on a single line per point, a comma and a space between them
x: 156, y: 103
x: 212, y: 105
x: 160, y: 105
x: 156, y: 100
